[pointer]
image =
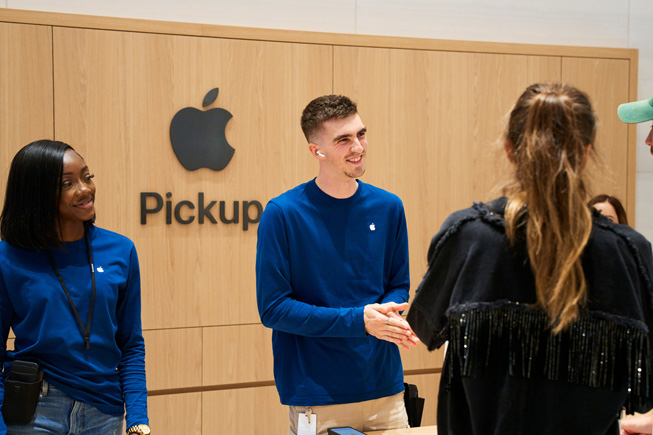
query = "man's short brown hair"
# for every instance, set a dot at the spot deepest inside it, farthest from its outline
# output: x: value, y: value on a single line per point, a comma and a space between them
x: 323, y: 109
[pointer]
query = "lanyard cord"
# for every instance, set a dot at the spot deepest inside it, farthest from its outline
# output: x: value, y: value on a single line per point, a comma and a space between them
x: 86, y: 332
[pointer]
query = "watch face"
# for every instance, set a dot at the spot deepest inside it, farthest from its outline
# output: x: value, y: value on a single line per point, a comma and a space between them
x: 140, y: 429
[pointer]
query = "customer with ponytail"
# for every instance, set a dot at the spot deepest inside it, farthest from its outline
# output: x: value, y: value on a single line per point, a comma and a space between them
x: 546, y: 306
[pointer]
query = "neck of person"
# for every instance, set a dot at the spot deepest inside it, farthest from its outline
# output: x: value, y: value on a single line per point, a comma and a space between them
x: 340, y: 189
x: 71, y: 231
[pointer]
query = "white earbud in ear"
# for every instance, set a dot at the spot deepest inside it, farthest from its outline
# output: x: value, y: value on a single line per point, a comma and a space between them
x: 319, y: 153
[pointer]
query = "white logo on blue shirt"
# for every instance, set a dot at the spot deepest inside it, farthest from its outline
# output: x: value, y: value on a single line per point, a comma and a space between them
x: 372, y: 227
x: 100, y: 269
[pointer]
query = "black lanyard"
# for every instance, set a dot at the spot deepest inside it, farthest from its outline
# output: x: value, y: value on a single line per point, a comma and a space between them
x: 86, y: 332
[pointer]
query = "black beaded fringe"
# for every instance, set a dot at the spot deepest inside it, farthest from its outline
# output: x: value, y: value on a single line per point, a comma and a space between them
x: 598, y: 350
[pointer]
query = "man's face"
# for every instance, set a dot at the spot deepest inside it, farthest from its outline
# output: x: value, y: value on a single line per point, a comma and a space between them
x: 343, y: 142
x: 649, y: 139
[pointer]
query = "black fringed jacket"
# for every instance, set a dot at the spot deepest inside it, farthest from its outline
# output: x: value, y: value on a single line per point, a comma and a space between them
x: 504, y: 372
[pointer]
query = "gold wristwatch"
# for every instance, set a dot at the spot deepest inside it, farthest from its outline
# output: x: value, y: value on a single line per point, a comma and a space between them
x: 140, y: 429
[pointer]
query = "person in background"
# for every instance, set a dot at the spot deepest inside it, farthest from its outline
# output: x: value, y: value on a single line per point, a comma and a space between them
x: 634, y: 113
x: 610, y: 207
x: 70, y: 291
x: 546, y: 305
x: 331, y: 278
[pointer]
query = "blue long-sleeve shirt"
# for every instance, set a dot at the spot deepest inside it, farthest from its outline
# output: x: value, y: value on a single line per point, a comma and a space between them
x: 319, y: 261
x: 110, y: 375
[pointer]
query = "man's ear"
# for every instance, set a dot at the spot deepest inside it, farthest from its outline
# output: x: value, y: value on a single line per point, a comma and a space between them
x: 314, y: 148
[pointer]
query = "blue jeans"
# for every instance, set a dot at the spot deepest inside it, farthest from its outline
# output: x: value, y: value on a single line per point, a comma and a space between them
x: 59, y: 414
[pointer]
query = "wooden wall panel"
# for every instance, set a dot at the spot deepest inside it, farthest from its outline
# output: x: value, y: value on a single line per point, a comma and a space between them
x: 606, y: 82
x: 432, y: 119
x: 26, y: 94
x: 126, y: 87
x: 177, y: 414
x: 250, y: 360
x: 419, y: 358
x: 244, y: 411
x: 173, y: 358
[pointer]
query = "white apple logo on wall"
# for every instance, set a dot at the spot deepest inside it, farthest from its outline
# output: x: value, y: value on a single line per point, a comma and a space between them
x: 198, y: 137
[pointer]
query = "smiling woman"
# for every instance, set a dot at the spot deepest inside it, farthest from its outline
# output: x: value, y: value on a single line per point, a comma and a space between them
x: 77, y: 197
x: 57, y: 268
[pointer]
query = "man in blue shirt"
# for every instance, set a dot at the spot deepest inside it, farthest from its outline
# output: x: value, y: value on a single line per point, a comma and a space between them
x: 332, y: 275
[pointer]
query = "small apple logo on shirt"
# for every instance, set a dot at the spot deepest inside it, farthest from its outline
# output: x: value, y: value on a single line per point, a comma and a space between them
x: 372, y: 227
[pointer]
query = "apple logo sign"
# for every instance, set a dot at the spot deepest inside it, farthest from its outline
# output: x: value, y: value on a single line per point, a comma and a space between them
x: 198, y: 137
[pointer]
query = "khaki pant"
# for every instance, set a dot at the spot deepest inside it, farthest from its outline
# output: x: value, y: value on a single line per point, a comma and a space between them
x: 378, y: 414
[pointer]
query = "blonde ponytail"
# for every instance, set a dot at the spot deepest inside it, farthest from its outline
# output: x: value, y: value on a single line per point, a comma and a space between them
x: 550, y: 132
